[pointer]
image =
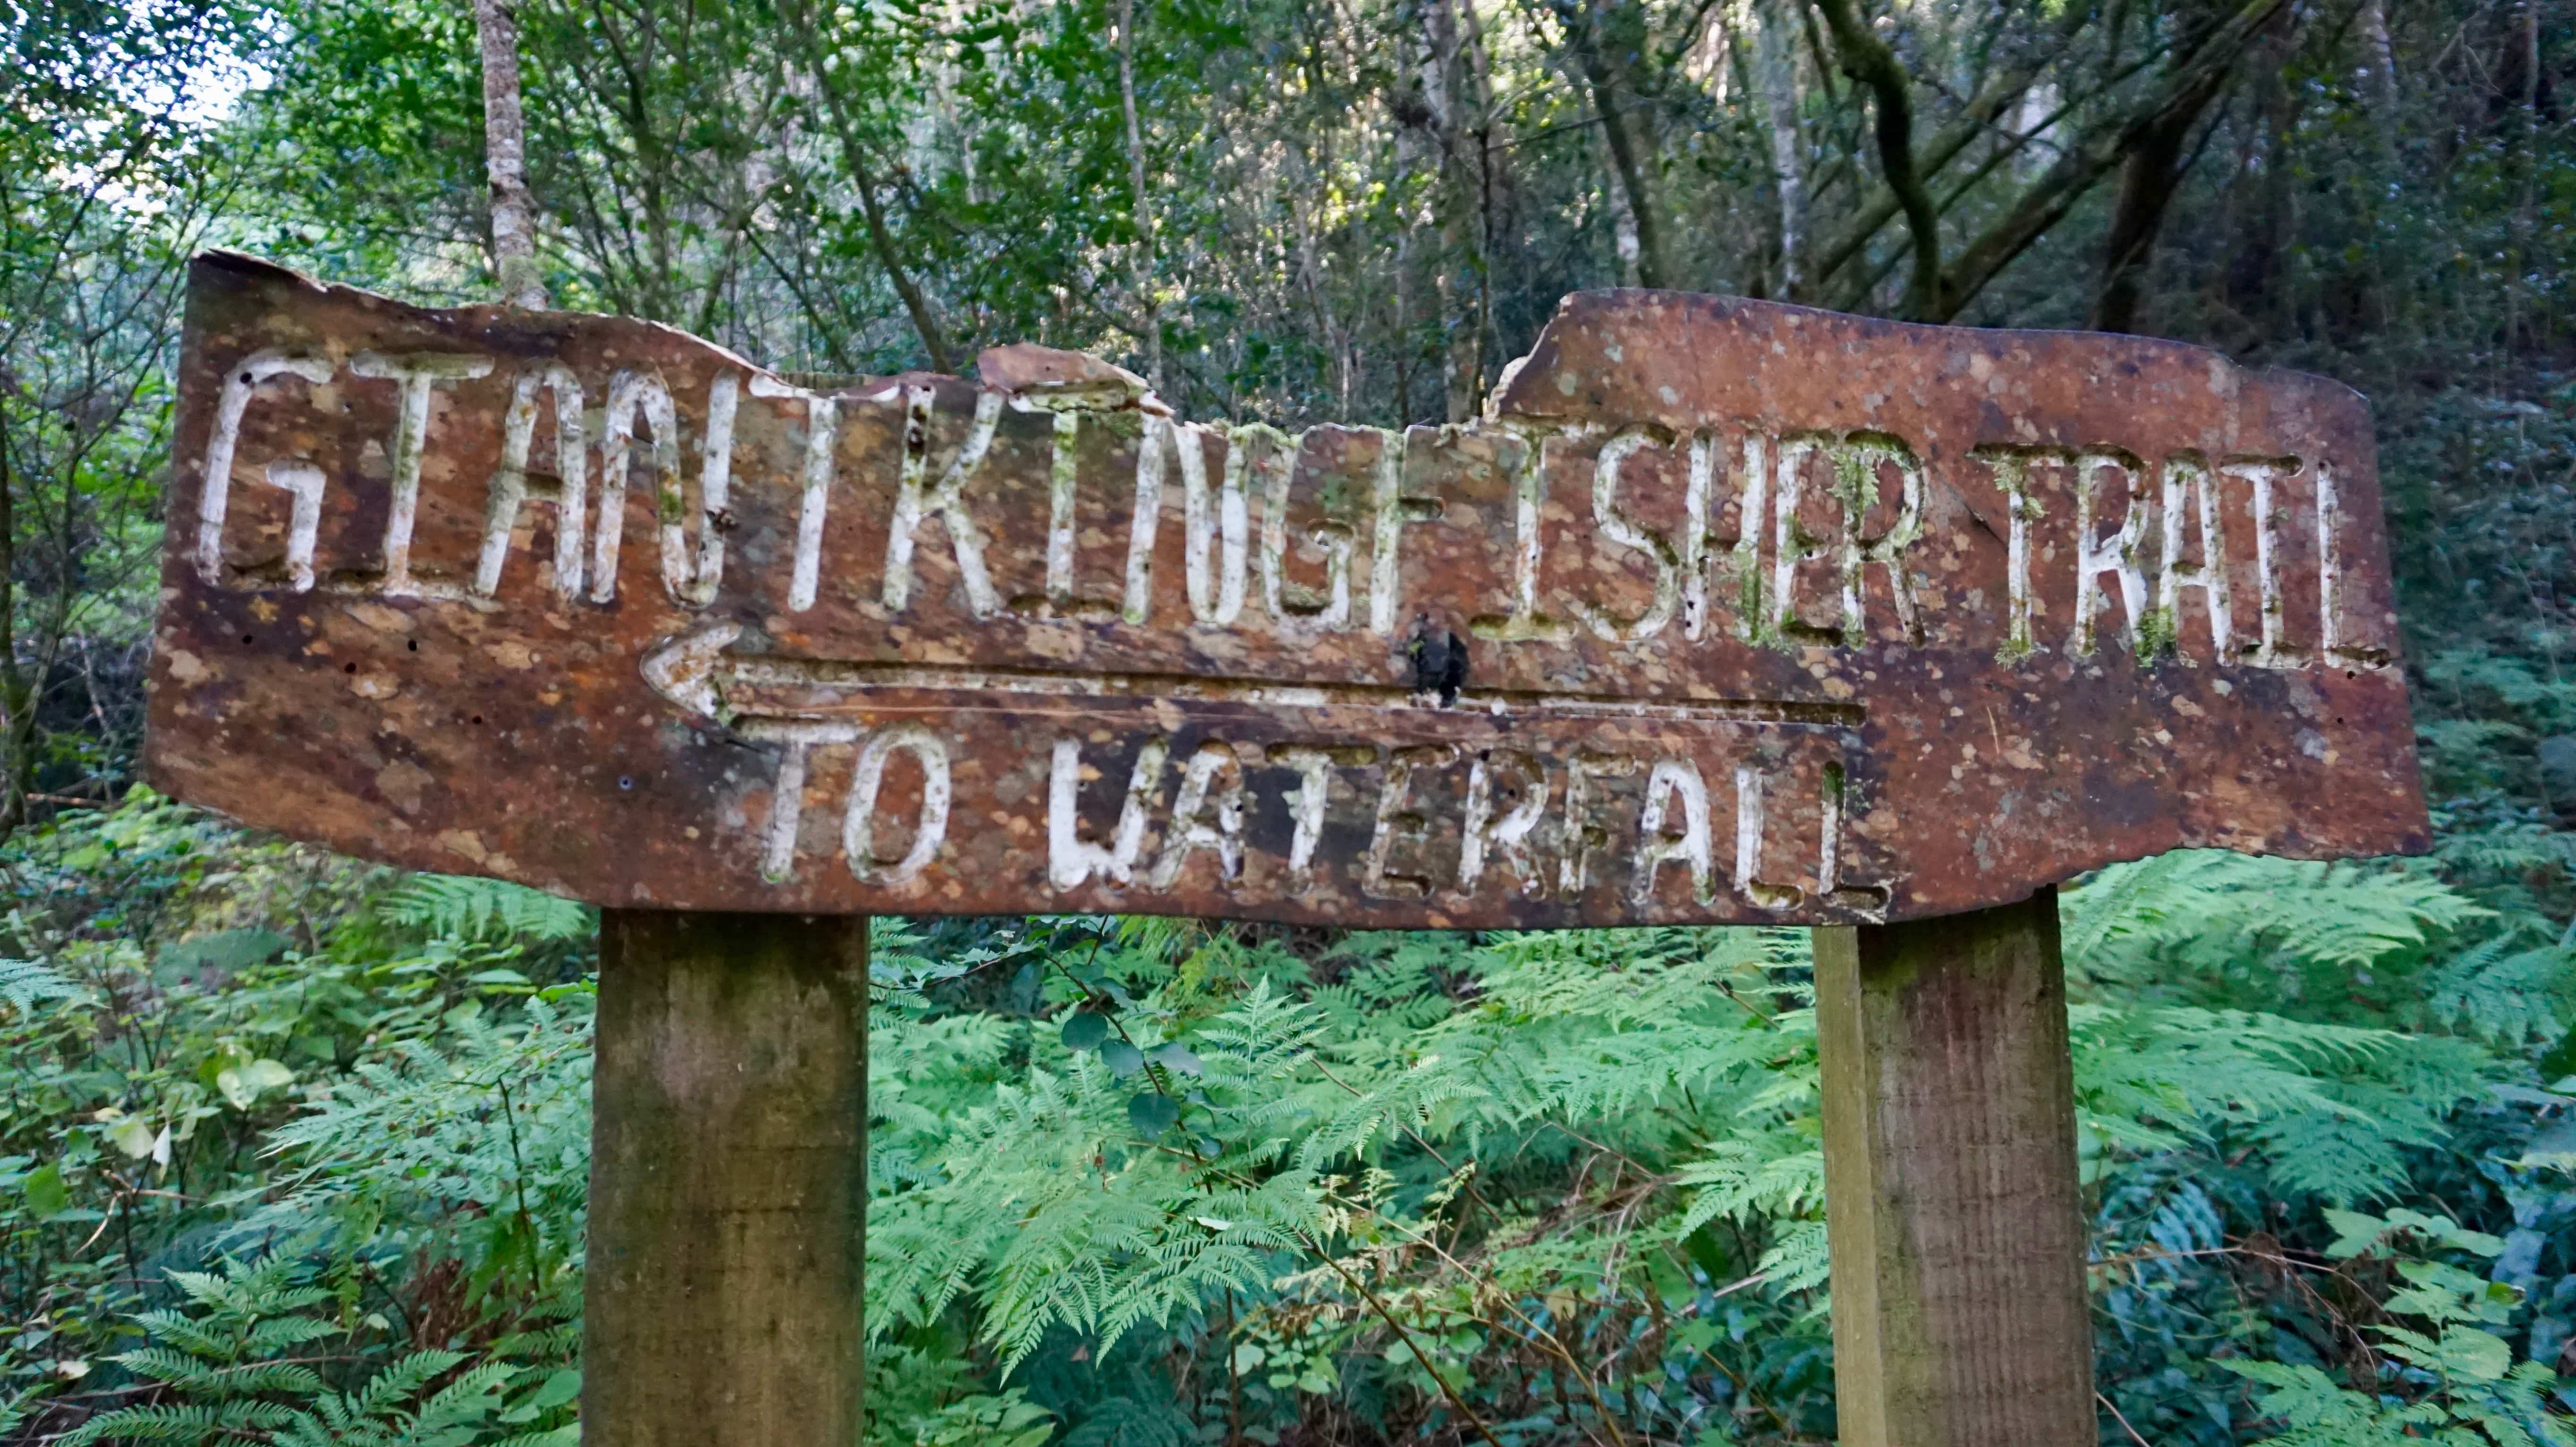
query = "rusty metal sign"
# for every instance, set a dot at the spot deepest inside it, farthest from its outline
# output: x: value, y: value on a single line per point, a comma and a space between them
x: 1729, y: 611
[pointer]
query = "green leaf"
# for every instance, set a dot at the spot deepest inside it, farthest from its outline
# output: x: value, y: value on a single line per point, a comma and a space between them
x: 46, y: 1193
x: 134, y: 1135
x: 1176, y: 1058
x: 1084, y: 1030
x: 1153, y: 1113
x: 1122, y: 1058
x: 245, y: 1084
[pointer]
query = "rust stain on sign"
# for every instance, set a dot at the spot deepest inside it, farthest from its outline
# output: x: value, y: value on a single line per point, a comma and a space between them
x: 1728, y: 612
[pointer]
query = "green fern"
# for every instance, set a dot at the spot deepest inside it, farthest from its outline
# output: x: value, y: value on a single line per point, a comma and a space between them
x: 474, y: 1149
x: 465, y: 907
x: 224, y: 1358
x: 2452, y: 1378
x: 25, y: 984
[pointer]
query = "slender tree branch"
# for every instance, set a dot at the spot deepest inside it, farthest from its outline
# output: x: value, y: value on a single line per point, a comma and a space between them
x: 854, y: 155
x: 2047, y: 200
x: 1867, y: 59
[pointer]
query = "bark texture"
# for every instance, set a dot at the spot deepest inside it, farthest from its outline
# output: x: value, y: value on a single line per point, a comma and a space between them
x: 1778, y: 62
x: 505, y: 158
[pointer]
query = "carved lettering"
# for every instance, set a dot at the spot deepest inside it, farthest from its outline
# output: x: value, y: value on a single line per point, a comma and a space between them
x: 1393, y: 510
x: 1208, y: 814
x: 867, y: 780
x: 1399, y: 823
x: 1220, y: 526
x: 1072, y: 859
x: 822, y: 433
x: 916, y: 500
x: 1674, y: 781
x: 2188, y: 483
x: 1519, y: 776
x: 416, y: 374
x: 1673, y: 570
x: 2116, y: 556
x: 509, y: 487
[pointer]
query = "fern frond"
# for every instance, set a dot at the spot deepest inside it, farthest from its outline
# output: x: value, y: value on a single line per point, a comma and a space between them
x: 24, y: 984
x: 465, y: 907
x: 191, y: 1423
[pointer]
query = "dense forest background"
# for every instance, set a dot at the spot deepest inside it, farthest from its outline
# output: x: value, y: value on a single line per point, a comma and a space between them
x: 292, y: 1149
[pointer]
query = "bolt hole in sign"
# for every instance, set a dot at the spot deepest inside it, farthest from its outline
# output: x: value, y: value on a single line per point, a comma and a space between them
x: 1726, y: 612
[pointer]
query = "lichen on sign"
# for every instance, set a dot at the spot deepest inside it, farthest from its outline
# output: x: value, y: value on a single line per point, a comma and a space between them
x: 1727, y: 611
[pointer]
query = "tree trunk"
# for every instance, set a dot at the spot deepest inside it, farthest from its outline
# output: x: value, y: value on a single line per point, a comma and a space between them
x: 2149, y: 175
x: 1868, y: 60
x: 1594, y: 32
x: 1147, y: 284
x: 2148, y: 179
x: 17, y: 698
x: 1777, y: 61
x: 1458, y: 202
x: 845, y: 127
x: 2379, y: 72
x: 505, y: 158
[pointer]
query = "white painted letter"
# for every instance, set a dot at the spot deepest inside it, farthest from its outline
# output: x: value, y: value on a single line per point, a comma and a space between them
x: 509, y: 486
x: 1791, y: 543
x: 1306, y: 801
x: 2274, y: 650
x: 1138, y: 603
x: 1509, y: 835
x: 1753, y: 616
x: 1856, y: 463
x: 1621, y: 528
x: 867, y: 778
x: 1870, y: 900
x: 2011, y: 462
x: 1524, y: 624
x: 914, y: 501
x: 1749, y: 820
x: 692, y: 583
x: 417, y: 373
x: 1392, y: 510
x: 798, y: 739
x: 2116, y: 554
x: 1071, y: 859
x: 215, y: 491
x: 304, y: 481
x: 1296, y: 610
x: 629, y: 392
x: 1674, y: 779
x: 1191, y: 831
x: 1399, y: 823
x: 1216, y: 595
x: 822, y: 433
x: 2210, y: 576
x: 2330, y: 579
x: 1583, y: 837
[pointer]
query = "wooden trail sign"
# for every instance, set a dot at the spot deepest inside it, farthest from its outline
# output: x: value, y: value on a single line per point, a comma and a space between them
x: 1726, y: 613
x: 1729, y: 612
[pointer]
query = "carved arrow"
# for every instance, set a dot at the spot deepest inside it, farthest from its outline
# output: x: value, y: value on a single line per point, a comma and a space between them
x: 703, y: 673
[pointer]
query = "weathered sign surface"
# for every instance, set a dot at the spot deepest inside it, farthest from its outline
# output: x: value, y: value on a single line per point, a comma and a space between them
x: 1729, y: 612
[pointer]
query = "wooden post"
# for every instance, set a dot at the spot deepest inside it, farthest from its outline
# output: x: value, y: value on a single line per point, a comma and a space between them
x: 728, y: 1181
x: 1951, y: 1205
